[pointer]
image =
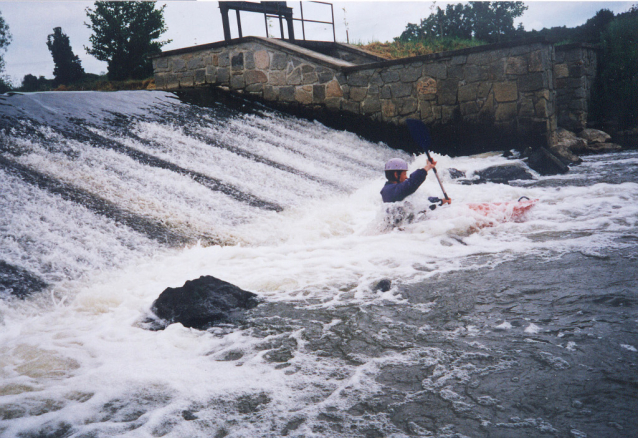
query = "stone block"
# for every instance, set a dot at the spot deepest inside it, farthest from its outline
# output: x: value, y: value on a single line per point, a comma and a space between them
x: 359, y: 78
x: 325, y: 76
x: 436, y: 70
x: 160, y: 64
x: 200, y: 76
x: 271, y: 93
x: 468, y: 108
x: 409, y: 74
x: 371, y: 105
x: 178, y: 65
x: 294, y: 78
x: 375, y: 79
x: 223, y: 75
x: 254, y: 88
x: 532, y: 82
x: 537, y: 61
x: 303, y: 94
x: 351, y: 107
x: 481, y: 58
x: 505, y: 91
x: 541, y: 108
x: 333, y: 103
x: 195, y: 63
x: 279, y: 61
x: 455, y: 71
x: 506, y: 112
x: 496, y: 70
x: 388, y: 109
x: 526, y: 107
x: 237, y: 82
x: 458, y: 60
x: 333, y: 89
x: 309, y: 78
x: 358, y: 93
x: 516, y: 65
x: 223, y: 60
x: 447, y: 91
x: 576, y: 70
x: 277, y: 77
x: 561, y: 71
x: 385, y: 92
x: 255, y: 76
x: 426, y: 86
x: 483, y: 90
x: 475, y: 73
x: 287, y: 94
x: 425, y: 109
x: 318, y: 93
x: 262, y: 60
x: 249, y: 61
x: 160, y: 81
x: 186, y: 80
x: 390, y: 76
x: 407, y: 106
x: 448, y: 113
x: 237, y: 62
x: 468, y: 92
x: 400, y: 90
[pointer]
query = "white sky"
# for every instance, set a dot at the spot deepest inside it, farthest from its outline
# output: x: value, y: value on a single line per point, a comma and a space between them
x: 199, y: 22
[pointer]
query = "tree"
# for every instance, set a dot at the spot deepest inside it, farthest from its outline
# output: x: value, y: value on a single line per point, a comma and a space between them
x: 5, y: 40
x: 487, y: 21
x: 68, y: 67
x: 616, y: 92
x: 125, y: 33
x: 31, y: 83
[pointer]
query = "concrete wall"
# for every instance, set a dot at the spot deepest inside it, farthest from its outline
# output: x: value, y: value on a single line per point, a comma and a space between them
x: 574, y: 71
x: 506, y: 89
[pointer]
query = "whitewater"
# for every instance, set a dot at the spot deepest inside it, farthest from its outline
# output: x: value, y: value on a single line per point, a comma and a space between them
x: 490, y: 327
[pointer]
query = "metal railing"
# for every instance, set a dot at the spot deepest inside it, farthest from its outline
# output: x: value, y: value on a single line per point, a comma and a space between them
x: 303, y: 21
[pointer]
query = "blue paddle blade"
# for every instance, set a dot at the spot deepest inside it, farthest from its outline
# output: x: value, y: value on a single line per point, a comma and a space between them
x: 419, y: 133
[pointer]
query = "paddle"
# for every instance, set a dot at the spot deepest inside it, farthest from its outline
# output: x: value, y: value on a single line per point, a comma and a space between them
x: 421, y: 136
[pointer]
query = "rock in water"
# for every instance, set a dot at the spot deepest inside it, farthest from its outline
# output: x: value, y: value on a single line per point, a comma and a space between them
x: 202, y: 303
x: 503, y: 174
x: 545, y: 163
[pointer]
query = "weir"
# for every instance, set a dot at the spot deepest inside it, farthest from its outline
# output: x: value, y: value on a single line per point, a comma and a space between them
x: 491, y: 97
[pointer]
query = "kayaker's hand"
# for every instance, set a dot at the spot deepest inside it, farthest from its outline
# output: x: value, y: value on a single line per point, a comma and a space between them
x: 446, y: 201
x: 430, y: 165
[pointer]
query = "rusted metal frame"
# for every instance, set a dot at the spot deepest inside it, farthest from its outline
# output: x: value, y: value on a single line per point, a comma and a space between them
x: 303, y: 21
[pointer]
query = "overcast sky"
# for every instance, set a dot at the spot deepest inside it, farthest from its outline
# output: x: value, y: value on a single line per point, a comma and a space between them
x: 199, y: 22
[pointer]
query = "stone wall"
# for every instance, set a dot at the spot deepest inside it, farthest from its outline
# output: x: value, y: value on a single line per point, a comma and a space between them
x: 574, y: 72
x: 504, y: 93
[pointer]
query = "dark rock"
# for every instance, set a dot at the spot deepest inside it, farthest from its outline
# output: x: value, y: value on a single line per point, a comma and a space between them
x: 503, y: 174
x: 566, y: 145
x: 280, y: 355
x: 455, y: 173
x: 383, y: 285
x: 594, y: 136
x: 203, y: 303
x: 18, y: 282
x: 545, y: 163
x: 252, y: 403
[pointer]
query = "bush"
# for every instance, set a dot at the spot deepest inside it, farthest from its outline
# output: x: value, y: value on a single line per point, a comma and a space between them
x: 404, y: 49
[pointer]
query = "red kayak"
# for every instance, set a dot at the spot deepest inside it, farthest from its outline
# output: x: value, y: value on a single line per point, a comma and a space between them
x: 499, y: 212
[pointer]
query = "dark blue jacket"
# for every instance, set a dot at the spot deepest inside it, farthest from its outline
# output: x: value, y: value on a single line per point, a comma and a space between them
x: 398, y: 192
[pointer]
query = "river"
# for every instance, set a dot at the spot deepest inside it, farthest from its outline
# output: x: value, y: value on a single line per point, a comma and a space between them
x: 485, y: 327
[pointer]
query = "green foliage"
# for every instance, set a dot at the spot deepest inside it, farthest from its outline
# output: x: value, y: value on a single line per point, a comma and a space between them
x: 616, y: 92
x: 400, y: 49
x: 32, y: 83
x: 68, y: 67
x: 125, y: 33
x: 5, y: 40
x: 487, y: 21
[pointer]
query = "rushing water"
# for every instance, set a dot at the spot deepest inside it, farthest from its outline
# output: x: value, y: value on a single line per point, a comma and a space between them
x: 518, y: 329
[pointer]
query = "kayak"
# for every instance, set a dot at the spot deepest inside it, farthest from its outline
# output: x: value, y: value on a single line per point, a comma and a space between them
x: 500, y: 212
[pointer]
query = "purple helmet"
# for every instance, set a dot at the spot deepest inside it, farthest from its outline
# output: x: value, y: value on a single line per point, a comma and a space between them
x: 396, y: 164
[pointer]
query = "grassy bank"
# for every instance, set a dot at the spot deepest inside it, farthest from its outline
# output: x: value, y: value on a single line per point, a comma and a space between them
x: 399, y: 49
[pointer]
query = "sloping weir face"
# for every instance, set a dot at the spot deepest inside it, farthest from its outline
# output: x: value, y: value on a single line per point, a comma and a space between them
x: 516, y: 329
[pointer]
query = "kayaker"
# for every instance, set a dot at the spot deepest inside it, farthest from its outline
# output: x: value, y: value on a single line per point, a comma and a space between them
x: 399, y: 186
